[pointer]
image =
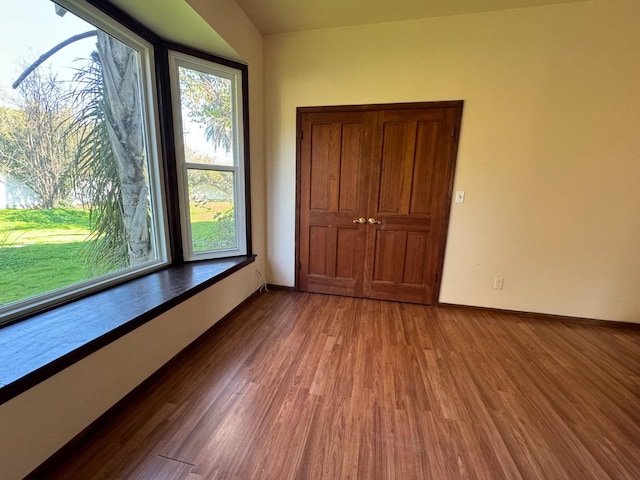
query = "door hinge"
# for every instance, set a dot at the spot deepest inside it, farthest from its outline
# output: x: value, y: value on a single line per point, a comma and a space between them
x: 453, y: 132
x: 437, y: 277
x: 301, y: 135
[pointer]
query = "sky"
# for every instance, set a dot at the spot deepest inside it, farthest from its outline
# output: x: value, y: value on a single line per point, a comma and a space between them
x: 28, y: 28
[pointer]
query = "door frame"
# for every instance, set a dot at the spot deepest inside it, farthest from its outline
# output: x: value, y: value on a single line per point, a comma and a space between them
x: 451, y: 167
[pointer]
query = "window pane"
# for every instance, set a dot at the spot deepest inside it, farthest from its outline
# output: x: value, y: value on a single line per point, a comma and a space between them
x: 207, y: 117
x: 76, y: 200
x: 207, y: 101
x: 211, y: 210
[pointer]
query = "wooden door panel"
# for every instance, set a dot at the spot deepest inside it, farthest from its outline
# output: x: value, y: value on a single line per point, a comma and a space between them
x: 414, y: 264
x: 406, y: 173
x: 334, y: 260
x: 424, y: 169
x: 397, y: 164
x: 400, y: 266
x: 409, y: 164
x: 347, y: 243
x: 350, y: 166
x: 334, y: 250
x: 322, y: 247
x: 333, y: 194
x: 320, y: 167
x: 389, y: 248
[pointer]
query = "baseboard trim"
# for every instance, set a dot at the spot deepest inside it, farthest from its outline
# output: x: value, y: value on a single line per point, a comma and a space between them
x: 284, y: 288
x: 547, y: 316
x: 66, y: 451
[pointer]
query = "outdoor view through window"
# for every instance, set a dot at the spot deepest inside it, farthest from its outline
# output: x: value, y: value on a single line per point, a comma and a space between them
x: 210, y: 167
x: 78, y: 173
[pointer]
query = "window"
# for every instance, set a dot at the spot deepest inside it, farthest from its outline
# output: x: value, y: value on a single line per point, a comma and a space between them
x: 209, y: 126
x: 81, y: 203
x: 82, y: 199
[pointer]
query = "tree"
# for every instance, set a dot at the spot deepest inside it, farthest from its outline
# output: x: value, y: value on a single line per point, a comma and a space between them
x: 207, y: 99
x: 11, y: 124
x: 33, y: 146
x: 111, y: 151
x: 96, y: 171
x: 111, y: 146
x: 122, y: 105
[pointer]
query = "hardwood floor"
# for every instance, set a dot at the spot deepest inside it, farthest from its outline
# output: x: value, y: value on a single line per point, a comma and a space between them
x: 307, y: 386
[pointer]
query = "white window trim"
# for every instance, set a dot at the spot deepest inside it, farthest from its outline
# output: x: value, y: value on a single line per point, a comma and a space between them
x: 178, y: 59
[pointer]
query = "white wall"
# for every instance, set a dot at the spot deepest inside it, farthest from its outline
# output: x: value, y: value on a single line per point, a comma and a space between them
x: 548, y: 154
x: 37, y: 423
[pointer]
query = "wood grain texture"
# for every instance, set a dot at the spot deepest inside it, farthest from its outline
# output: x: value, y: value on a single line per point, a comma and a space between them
x: 331, y: 193
x: 410, y: 170
x: 390, y: 165
x: 309, y: 386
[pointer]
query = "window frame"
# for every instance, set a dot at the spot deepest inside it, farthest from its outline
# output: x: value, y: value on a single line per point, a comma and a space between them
x: 212, y: 65
x: 160, y: 141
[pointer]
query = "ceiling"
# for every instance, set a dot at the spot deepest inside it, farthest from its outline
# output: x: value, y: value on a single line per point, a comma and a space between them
x: 278, y: 16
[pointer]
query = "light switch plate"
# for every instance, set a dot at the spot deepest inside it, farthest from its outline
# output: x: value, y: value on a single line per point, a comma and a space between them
x: 460, y: 196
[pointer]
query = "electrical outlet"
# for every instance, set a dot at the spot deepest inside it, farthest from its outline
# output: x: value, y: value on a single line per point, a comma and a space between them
x: 498, y: 283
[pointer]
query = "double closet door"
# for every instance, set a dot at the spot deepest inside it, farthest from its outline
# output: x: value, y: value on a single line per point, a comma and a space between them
x: 374, y: 189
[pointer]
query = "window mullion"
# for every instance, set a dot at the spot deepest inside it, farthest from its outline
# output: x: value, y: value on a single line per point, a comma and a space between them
x: 206, y: 166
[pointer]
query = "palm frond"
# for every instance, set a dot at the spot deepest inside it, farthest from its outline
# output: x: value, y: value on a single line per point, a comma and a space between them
x: 96, y: 172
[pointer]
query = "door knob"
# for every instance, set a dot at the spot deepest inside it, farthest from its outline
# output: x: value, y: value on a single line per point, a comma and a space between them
x: 373, y: 221
x: 360, y: 220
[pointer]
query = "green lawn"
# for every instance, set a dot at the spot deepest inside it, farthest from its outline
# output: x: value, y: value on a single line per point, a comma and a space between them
x: 204, y: 212
x: 40, y: 250
x: 210, y: 227
x: 34, y: 269
x: 43, y: 250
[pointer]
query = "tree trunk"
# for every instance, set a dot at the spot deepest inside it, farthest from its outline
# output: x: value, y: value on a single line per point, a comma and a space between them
x: 123, y: 111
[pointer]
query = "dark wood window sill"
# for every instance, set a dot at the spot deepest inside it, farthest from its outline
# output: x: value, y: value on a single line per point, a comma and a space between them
x: 41, y: 346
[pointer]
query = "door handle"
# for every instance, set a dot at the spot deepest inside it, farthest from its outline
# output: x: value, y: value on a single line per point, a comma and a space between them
x: 373, y: 221
x: 360, y: 220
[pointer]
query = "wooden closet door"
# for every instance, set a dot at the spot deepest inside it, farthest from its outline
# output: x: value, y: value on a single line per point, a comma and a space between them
x: 389, y: 169
x: 334, y: 161
x: 408, y: 195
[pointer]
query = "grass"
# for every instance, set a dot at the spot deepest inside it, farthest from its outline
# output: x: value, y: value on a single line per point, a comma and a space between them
x: 59, y: 218
x: 35, y: 269
x: 27, y: 227
x: 40, y: 251
x: 43, y: 250
x: 204, y: 212
x: 212, y: 226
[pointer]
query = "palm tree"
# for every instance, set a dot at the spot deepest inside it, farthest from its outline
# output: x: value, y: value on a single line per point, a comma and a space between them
x: 108, y: 124
x: 122, y: 104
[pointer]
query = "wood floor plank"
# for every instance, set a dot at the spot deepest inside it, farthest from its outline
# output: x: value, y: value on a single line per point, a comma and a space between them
x: 305, y: 386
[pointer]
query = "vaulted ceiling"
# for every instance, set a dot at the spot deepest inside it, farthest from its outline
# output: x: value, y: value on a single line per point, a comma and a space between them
x: 277, y: 16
